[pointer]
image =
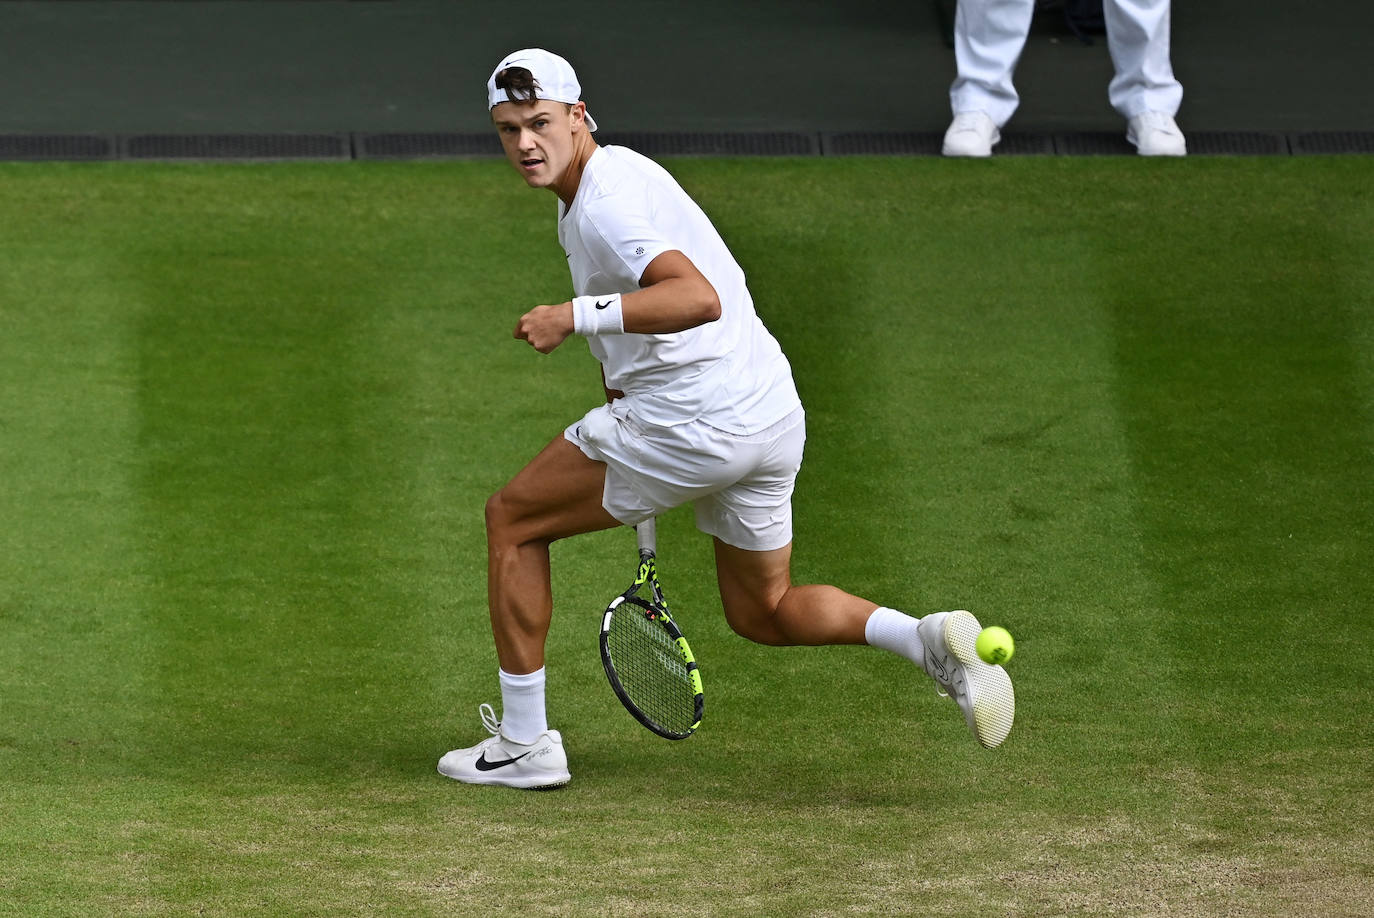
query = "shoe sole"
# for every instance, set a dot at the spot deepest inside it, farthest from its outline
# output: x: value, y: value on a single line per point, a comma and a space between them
x: 961, y: 153
x: 994, y: 701
x: 535, y: 784
x: 548, y: 781
x: 1180, y: 149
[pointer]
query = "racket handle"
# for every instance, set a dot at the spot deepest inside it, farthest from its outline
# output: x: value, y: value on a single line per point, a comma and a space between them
x: 647, y: 533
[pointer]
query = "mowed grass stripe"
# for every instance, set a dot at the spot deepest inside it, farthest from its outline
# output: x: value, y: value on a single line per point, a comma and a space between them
x: 74, y: 646
x: 1250, y: 432
x: 1242, y: 386
x: 67, y: 422
x: 257, y: 466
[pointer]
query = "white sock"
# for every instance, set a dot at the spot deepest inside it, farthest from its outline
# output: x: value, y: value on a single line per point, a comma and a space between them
x: 896, y: 632
x: 522, y: 706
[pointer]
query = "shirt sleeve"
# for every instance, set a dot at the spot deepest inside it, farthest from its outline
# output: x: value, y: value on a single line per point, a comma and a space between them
x: 632, y: 236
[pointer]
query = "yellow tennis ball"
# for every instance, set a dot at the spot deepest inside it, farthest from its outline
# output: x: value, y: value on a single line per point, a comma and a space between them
x: 995, y: 645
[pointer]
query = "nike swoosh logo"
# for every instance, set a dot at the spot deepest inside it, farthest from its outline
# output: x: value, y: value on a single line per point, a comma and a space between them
x: 941, y: 674
x: 604, y: 305
x: 484, y: 765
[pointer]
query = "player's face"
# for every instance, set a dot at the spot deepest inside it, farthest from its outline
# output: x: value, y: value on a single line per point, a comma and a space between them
x: 539, y: 138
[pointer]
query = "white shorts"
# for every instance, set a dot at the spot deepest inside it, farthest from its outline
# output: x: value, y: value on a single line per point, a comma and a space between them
x: 740, y: 486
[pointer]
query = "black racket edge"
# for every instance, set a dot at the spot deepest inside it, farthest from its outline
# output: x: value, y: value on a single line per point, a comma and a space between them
x: 666, y: 622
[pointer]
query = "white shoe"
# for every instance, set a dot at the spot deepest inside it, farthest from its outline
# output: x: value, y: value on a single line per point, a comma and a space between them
x: 982, y: 690
x: 970, y: 134
x: 541, y: 765
x: 1156, y: 134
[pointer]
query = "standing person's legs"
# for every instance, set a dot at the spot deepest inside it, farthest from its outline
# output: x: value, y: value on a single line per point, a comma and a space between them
x: 989, y: 36
x: 1144, y: 90
x: 1138, y: 39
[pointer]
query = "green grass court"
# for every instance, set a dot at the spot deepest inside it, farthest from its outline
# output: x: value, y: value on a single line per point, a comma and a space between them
x: 249, y: 416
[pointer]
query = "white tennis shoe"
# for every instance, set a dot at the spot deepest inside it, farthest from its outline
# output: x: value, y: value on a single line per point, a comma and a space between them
x: 1156, y: 134
x: 970, y: 134
x: 541, y: 765
x: 983, y: 691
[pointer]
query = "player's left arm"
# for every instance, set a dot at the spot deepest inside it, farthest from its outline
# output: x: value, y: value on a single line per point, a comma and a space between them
x: 673, y: 296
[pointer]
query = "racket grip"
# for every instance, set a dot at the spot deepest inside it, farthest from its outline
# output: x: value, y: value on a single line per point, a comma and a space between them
x: 647, y: 532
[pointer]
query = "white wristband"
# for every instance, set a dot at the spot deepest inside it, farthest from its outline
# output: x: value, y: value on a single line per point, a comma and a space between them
x: 598, y: 315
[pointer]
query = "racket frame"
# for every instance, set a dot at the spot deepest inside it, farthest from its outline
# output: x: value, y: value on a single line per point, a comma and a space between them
x: 654, y: 607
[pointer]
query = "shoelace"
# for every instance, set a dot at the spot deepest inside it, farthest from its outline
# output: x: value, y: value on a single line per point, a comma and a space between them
x: 489, y: 719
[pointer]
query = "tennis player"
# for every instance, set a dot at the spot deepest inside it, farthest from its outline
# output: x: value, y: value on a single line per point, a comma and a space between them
x: 701, y: 409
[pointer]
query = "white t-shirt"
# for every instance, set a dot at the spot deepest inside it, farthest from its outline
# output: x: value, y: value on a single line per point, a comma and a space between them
x: 730, y: 373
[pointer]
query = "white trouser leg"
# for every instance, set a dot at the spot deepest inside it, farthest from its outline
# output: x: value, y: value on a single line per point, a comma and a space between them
x: 1138, y: 38
x: 988, y: 38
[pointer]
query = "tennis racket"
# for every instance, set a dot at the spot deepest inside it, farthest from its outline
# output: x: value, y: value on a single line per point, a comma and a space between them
x: 647, y: 659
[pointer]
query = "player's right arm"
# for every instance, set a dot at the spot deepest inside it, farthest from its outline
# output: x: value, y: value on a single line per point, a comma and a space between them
x: 673, y: 296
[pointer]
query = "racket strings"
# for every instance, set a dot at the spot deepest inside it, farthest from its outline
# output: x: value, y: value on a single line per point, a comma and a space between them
x: 651, y: 669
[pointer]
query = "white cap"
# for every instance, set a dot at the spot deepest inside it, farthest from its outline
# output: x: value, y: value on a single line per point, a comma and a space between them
x: 553, y: 74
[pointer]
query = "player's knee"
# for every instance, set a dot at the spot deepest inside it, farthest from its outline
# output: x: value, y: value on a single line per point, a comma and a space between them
x: 752, y: 623
x: 498, y: 516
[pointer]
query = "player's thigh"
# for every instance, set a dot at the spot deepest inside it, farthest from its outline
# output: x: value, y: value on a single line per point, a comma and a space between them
x: 557, y: 494
x: 752, y: 583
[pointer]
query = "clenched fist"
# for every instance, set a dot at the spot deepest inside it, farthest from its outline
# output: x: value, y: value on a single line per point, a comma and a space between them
x: 546, y: 327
